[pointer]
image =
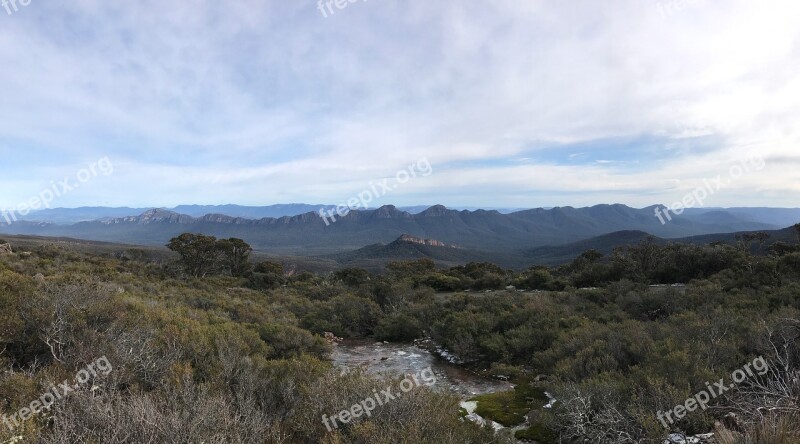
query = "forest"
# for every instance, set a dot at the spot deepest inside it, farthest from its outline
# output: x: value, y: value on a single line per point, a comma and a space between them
x: 208, y: 346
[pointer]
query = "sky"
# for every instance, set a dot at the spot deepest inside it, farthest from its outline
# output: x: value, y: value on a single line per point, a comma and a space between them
x: 512, y: 103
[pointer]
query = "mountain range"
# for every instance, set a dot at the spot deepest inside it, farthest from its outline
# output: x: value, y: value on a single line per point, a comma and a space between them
x: 518, y: 237
x: 68, y: 216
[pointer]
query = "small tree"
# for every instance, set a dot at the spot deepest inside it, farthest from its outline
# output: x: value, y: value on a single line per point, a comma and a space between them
x: 199, y: 254
x: 270, y: 267
x: 235, y: 255
x: 416, y: 268
x: 204, y: 255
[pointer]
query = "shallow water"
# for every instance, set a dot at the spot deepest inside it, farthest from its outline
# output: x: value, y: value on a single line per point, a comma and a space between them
x: 405, y: 359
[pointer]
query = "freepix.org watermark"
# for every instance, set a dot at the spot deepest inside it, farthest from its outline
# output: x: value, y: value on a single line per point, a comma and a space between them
x: 100, y: 367
x: 710, y: 187
x: 12, y: 6
x: 326, y: 6
x: 670, y: 7
x: 57, y: 189
x: 376, y: 190
x: 379, y: 399
x: 714, y: 391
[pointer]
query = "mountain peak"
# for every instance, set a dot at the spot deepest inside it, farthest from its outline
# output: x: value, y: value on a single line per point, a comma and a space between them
x: 151, y: 216
x: 389, y: 212
x: 156, y: 212
x: 435, y: 211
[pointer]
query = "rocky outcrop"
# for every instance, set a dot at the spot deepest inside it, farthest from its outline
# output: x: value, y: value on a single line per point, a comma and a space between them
x: 678, y: 438
x: 5, y: 249
x: 223, y: 219
x: 151, y: 216
x: 417, y: 240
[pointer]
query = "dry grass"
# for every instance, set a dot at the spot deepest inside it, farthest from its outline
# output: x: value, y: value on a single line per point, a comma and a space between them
x: 775, y: 430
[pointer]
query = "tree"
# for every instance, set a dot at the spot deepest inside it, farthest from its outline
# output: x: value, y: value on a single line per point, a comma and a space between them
x: 235, y: 255
x: 204, y: 255
x: 797, y: 231
x: 639, y: 261
x: 538, y: 279
x: 268, y: 274
x: 352, y: 276
x: 747, y: 240
x: 270, y: 267
x: 586, y: 260
x: 416, y: 268
x: 199, y: 254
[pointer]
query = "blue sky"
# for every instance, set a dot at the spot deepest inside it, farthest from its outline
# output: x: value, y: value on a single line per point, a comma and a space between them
x: 514, y: 103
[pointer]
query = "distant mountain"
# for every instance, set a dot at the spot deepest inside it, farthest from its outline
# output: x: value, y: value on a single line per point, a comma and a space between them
x: 782, y: 217
x: 309, y: 234
x: 280, y: 210
x: 605, y: 244
x: 407, y: 247
x: 68, y: 216
x: 776, y: 217
x: 420, y: 208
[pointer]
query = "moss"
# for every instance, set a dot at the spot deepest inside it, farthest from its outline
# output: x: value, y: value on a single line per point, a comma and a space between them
x: 509, y: 408
x: 538, y: 433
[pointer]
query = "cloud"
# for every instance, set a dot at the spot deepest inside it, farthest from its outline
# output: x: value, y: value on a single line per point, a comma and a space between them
x: 263, y: 102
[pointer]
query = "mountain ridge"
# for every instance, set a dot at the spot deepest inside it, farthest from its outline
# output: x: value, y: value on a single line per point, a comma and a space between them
x: 308, y: 233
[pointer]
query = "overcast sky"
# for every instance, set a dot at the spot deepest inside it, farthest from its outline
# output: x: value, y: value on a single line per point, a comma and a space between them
x: 515, y: 103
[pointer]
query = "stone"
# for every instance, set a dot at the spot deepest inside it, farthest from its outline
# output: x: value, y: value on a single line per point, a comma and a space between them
x: 332, y: 339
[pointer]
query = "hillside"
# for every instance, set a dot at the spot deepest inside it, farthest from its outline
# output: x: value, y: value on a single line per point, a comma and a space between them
x: 561, y: 254
x: 308, y: 234
x: 406, y: 247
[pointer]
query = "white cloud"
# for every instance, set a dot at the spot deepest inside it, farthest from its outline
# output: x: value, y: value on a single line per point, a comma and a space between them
x: 261, y: 102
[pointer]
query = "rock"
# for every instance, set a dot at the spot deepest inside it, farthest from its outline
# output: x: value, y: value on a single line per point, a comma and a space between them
x: 429, y: 242
x: 5, y: 249
x: 678, y: 438
x: 332, y: 339
x: 732, y: 422
x: 38, y: 277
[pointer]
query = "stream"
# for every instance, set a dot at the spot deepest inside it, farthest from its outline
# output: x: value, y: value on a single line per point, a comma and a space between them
x: 401, y: 359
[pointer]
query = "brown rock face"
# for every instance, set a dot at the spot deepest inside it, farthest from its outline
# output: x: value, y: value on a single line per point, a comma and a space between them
x: 416, y: 240
x: 6, y: 249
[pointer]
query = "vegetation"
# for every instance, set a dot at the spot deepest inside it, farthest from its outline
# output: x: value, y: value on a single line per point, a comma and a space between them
x: 510, y: 408
x: 204, y: 255
x: 210, y: 349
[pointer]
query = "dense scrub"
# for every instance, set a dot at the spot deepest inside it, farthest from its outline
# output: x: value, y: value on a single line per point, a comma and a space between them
x: 194, y: 360
x: 241, y: 358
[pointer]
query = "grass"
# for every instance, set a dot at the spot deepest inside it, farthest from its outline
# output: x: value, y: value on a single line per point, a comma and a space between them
x: 509, y: 408
x: 538, y: 433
